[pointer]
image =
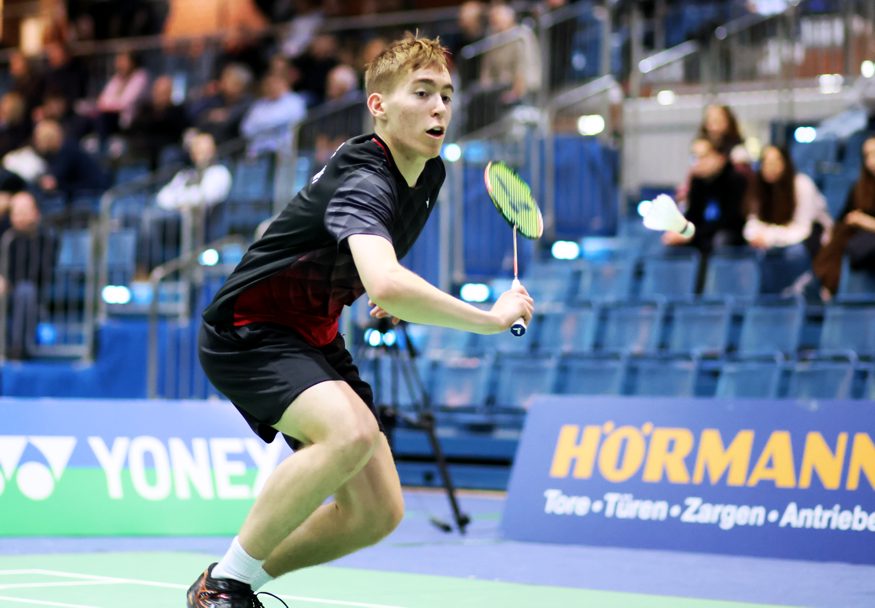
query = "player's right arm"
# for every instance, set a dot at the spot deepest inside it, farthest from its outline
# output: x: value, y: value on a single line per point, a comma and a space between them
x: 406, y: 295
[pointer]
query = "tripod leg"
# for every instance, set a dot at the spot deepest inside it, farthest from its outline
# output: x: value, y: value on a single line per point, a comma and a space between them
x: 426, y: 423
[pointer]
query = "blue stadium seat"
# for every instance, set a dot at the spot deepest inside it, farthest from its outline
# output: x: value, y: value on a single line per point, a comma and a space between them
x: 754, y: 378
x: 129, y: 173
x: 699, y: 328
x: 72, y: 267
x: 732, y: 272
x: 835, y: 187
x: 547, y: 290
x: 771, y: 325
x: 856, y: 284
x: 505, y: 342
x: 568, y: 331
x: 661, y: 376
x: 670, y: 274
x: 812, y: 156
x: 631, y: 328
x: 780, y: 267
x: 821, y: 379
x: 121, y: 251
x: 441, y: 341
x: 590, y: 375
x: 460, y: 382
x: 869, y: 385
x: 849, y: 326
x: 605, y: 279
x: 517, y: 378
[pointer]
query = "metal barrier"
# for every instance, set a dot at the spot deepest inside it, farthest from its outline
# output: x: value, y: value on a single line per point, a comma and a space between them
x: 780, y: 51
x: 52, y: 306
x: 182, y: 377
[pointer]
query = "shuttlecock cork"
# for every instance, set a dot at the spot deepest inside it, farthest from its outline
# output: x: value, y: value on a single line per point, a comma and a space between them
x: 663, y: 214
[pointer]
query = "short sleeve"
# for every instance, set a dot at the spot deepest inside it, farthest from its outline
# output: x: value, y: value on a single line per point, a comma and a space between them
x: 363, y: 204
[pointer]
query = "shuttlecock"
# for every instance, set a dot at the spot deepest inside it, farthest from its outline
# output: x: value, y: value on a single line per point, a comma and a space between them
x: 663, y: 214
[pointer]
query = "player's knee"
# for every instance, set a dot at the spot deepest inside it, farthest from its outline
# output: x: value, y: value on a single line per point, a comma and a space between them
x: 355, y: 445
x: 380, y: 524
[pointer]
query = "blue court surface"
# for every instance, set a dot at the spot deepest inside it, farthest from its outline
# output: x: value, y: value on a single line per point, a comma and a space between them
x: 420, y: 566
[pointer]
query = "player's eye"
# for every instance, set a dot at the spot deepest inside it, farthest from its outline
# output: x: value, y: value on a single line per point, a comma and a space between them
x: 421, y: 93
x: 447, y: 98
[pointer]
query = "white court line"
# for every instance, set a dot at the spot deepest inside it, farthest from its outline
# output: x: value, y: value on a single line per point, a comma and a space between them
x: 19, y: 600
x: 132, y: 581
x: 44, y: 585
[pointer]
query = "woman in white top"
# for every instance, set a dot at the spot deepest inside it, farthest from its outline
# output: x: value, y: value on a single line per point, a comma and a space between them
x: 783, y: 205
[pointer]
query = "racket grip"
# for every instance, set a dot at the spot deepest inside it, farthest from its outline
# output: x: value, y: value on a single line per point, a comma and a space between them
x: 519, y: 326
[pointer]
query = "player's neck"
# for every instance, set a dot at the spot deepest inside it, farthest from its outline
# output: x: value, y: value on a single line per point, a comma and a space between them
x: 409, y: 165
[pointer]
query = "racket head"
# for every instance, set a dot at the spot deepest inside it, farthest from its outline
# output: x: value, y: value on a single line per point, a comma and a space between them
x: 513, y: 198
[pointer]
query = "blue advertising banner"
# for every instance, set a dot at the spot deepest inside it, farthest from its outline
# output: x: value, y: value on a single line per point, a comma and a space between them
x: 764, y: 478
x: 127, y: 467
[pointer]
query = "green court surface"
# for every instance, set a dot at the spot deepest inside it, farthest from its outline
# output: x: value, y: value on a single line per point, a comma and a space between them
x: 159, y: 580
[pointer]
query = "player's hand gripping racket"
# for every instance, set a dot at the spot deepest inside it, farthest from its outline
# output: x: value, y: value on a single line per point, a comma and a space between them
x: 513, y: 199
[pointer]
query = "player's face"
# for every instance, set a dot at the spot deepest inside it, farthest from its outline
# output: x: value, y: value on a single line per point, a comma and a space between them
x: 418, y: 113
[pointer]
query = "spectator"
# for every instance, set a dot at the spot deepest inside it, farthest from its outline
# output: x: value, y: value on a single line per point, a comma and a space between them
x: 720, y: 126
x: 68, y: 168
x: 715, y: 201
x: 312, y: 67
x: 515, y: 64
x: 242, y: 46
x: 122, y: 94
x: 195, y: 191
x: 15, y: 125
x: 65, y: 76
x: 854, y: 232
x: 220, y: 114
x: 472, y: 27
x: 268, y: 124
x: 298, y: 34
x: 339, y: 118
x: 26, y: 81
x: 157, y: 124
x: 29, y: 267
x: 57, y: 107
x: 784, y: 206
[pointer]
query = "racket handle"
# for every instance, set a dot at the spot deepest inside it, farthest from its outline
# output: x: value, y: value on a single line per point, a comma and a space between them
x: 519, y: 326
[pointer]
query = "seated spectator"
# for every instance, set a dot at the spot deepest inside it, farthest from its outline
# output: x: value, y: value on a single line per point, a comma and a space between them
x: 157, y: 123
x: 784, y: 206
x: 339, y: 118
x: 15, y: 127
x: 194, y: 191
x: 714, y: 202
x: 299, y: 32
x: 853, y: 234
x: 57, y: 107
x: 720, y: 127
x: 66, y: 76
x: 268, y: 124
x: 68, y: 168
x: 310, y: 70
x: 516, y: 64
x: 32, y: 249
x: 122, y: 94
x: 472, y: 27
x: 220, y: 114
x: 26, y: 81
x: 242, y: 46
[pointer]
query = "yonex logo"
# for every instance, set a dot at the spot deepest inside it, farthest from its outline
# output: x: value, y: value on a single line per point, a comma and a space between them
x: 36, y: 480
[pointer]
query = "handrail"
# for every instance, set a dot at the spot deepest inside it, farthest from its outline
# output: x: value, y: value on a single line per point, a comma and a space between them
x: 493, y: 41
x: 668, y: 56
x: 590, y: 89
x: 158, y: 274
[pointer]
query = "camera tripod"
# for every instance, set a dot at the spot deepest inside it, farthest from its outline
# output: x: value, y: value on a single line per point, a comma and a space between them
x: 402, y: 359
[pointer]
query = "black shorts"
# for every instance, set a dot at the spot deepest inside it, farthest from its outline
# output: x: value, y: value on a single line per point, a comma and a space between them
x: 261, y: 368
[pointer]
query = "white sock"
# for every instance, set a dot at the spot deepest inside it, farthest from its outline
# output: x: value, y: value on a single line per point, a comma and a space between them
x: 260, y: 579
x: 237, y: 564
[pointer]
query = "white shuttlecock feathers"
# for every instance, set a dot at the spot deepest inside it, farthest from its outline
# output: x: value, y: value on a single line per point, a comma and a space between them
x: 663, y: 214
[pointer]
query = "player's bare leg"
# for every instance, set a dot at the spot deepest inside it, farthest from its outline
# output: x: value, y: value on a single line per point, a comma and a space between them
x: 366, y: 509
x: 341, y: 434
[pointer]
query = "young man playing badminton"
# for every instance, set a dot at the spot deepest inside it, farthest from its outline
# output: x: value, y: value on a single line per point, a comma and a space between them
x: 270, y: 341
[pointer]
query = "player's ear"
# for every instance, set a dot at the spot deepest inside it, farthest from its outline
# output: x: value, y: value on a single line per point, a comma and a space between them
x: 375, y: 105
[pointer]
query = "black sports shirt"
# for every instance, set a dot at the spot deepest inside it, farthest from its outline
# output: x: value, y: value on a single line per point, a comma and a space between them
x: 301, y: 273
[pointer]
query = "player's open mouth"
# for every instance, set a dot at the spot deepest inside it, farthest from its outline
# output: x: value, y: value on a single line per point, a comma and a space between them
x: 436, y: 131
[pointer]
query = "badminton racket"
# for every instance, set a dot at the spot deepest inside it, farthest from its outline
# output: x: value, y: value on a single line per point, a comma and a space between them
x: 513, y: 198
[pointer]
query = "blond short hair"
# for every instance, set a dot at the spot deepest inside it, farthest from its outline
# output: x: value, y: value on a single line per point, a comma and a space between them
x: 401, y: 57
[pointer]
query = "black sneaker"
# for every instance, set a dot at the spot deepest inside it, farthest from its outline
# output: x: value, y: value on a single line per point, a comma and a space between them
x: 209, y: 592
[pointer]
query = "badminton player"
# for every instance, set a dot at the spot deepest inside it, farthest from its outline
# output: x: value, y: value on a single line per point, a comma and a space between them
x: 270, y: 342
